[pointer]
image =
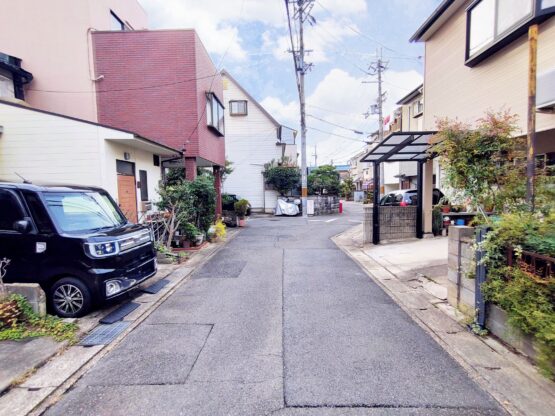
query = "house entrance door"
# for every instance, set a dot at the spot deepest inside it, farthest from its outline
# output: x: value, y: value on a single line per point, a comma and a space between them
x: 127, y: 192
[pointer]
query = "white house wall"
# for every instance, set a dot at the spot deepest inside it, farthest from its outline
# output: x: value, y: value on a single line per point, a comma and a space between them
x: 250, y: 142
x: 142, y: 160
x: 47, y: 149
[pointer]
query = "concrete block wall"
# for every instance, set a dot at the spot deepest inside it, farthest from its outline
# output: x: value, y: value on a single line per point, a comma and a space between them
x: 32, y: 292
x: 325, y: 204
x: 461, y: 289
x: 396, y: 223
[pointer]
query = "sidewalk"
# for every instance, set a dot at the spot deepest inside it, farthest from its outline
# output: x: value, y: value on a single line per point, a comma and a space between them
x: 40, y: 369
x: 412, y: 273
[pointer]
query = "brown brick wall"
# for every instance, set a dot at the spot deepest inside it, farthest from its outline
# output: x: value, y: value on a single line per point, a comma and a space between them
x: 150, y: 87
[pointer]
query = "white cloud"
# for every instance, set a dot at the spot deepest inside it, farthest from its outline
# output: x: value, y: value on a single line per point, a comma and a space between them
x: 341, y: 98
x: 216, y: 22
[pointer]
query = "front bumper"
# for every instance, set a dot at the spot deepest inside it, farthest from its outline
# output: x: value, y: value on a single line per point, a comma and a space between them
x: 126, y: 279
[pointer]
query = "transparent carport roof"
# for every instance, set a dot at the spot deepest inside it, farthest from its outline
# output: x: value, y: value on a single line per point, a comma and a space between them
x: 402, y: 146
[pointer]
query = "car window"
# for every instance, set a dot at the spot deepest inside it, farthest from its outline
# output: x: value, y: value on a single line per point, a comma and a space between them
x: 10, y: 211
x: 398, y: 197
x: 40, y: 216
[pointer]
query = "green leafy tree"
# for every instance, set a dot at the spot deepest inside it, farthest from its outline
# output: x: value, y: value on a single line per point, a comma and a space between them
x: 176, y: 199
x: 203, y: 200
x: 347, y: 188
x: 324, y: 179
x: 283, y: 176
x: 479, y: 163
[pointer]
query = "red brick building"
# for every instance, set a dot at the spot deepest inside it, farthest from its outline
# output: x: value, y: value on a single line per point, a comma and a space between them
x: 163, y: 85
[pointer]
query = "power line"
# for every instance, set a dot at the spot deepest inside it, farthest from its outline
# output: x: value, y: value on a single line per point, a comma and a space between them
x: 355, y: 30
x: 338, y: 135
x: 338, y: 125
x: 126, y: 89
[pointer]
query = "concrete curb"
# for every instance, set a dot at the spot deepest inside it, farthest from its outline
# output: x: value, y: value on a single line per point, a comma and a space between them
x: 506, y: 376
x: 33, y: 397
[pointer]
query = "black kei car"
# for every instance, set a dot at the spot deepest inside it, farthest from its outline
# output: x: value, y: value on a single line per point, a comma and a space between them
x: 75, y: 242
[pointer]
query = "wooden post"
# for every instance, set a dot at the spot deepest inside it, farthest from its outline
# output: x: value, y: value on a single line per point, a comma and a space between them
x: 531, y: 138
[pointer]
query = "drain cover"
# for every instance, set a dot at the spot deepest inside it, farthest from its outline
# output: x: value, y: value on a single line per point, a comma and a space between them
x: 156, y: 287
x: 119, y: 313
x: 104, y: 334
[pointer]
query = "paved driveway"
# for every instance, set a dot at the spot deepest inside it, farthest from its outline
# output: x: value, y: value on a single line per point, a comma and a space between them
x: 278, y: 322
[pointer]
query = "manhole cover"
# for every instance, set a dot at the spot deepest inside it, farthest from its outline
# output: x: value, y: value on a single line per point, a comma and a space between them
x: 104, y: 334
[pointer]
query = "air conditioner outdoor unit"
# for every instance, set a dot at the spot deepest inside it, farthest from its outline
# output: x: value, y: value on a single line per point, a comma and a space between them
x: 545, y: 94
x: 146, y: 206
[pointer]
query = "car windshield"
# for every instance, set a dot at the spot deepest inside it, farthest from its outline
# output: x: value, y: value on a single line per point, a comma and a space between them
x: 76, y: 212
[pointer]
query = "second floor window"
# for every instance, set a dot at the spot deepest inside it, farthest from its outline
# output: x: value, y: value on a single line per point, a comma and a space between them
x: 490, y: 20
x: 215, y: 114
x: 238, y: 108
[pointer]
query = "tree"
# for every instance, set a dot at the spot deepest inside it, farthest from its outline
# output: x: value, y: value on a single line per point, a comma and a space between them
x: 324, y: 180
x: 283, y: 176
x: 480, y: 163
x: 203, y: 200
x: 227, y: 170
x: 176, y: 200
x: 347, y: 188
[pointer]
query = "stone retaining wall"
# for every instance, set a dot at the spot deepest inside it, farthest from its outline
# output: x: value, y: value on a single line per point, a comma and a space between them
x: 325, y: 204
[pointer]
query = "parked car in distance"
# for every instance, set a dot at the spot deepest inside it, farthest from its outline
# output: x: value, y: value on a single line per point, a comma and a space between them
x: 406, y: 197
x: 75, y: 242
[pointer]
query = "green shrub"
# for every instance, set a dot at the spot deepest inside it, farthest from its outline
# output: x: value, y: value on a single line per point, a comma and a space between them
x: 190, y: 232
x: 241, y: 208
x: 29, y: 324
x: 284, y: 179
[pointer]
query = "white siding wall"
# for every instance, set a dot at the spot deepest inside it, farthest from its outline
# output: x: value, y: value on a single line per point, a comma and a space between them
x: 143, y: 161
x: 250, y: 142
x: 46, y: 148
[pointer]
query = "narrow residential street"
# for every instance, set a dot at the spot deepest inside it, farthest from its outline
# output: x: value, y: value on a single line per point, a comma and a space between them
x: 280, y: 322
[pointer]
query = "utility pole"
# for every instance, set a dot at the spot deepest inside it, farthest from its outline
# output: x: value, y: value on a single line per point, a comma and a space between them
x: 302, y: 13
x: 531, y: 136
x: 377, y: 68
x: 315, y: 154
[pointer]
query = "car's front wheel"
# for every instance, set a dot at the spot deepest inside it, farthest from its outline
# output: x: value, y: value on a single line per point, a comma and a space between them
x: 70, y: 298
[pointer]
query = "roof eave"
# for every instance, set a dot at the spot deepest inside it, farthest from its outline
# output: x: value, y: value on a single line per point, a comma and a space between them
x: 419, y: 35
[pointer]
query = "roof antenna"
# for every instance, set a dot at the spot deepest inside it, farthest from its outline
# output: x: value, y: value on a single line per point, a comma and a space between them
x: 24, y: 180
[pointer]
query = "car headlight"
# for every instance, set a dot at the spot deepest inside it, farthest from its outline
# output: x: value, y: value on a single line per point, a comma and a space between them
x: 105, y: 249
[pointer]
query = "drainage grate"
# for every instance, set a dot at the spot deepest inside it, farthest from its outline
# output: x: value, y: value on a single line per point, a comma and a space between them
x: 156, y: 287
x: 119, y: 313
x: 104, y: 334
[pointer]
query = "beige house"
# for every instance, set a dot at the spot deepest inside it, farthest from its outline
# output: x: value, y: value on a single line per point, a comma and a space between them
x: 477, y: 59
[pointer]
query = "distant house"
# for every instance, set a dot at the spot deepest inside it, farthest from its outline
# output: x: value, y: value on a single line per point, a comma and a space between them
x: 45, y: 147
x: 253, y: 138
x: 343, y: 171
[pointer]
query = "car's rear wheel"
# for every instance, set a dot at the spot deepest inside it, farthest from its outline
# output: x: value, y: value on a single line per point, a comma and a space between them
x: 70, y: 298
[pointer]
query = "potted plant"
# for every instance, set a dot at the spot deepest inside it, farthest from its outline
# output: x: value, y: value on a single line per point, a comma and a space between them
x: 190, y: 234
x: 241, y: 208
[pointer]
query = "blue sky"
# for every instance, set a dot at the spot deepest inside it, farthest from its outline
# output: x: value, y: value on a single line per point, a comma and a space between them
x: 250, y: 39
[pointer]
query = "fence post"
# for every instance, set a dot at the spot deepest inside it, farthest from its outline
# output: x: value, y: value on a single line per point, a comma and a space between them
x: 481, y: 273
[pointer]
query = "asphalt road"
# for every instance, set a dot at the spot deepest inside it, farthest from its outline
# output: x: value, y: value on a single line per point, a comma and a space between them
x: 279, y: 322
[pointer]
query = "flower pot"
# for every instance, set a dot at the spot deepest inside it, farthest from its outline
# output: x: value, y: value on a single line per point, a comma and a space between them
x: 242, y: 222
x: 445, y: 209
x: 199, y: 239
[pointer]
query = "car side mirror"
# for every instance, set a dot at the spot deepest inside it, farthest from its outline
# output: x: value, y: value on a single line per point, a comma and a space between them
x: 22, y: 226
